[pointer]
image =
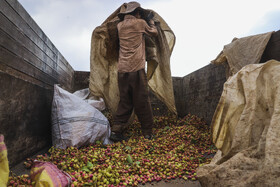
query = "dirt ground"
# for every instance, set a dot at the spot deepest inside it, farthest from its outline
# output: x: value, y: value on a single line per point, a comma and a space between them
x: 19, y: 169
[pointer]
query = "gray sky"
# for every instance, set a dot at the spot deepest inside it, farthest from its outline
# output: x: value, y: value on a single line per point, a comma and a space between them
x: 201, y: 27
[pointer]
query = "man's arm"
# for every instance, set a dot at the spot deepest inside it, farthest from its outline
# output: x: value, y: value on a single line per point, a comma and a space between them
x: 151, y: 28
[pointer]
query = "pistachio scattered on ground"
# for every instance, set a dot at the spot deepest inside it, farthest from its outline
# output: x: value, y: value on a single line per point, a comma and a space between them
x: 179, y: 147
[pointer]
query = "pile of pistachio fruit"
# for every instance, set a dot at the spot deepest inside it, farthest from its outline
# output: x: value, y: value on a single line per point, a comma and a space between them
x: 179, y: 147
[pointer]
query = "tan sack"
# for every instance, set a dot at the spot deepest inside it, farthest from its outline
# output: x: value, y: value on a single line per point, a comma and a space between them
x: 241, y: 52
x: 246, y: 130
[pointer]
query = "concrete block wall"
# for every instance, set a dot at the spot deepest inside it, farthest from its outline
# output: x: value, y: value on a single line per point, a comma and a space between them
x: 197, y: 93
x: 201, y: 91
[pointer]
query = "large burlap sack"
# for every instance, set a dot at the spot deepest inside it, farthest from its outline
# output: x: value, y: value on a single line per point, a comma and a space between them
x: 75, y: 122
x: 246, y: 130
x: 104, y: 58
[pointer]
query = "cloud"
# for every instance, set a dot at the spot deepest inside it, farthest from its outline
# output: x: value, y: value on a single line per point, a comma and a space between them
x: 270, y: 22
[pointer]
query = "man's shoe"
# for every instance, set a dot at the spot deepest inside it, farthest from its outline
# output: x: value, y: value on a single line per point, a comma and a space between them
x: 117, y: 137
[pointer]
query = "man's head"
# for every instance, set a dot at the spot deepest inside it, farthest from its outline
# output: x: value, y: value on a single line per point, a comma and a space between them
x: 133, y: 8
x: 136, y: 13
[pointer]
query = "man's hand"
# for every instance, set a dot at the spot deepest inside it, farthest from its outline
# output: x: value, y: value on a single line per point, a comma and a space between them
x: 151, y: 22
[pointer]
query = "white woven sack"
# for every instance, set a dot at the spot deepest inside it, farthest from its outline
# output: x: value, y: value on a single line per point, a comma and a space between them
x: 97, y: 103
x: 75, y: 122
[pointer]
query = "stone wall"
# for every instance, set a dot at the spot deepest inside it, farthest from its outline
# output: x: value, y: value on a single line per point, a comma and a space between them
x: 29, y: 67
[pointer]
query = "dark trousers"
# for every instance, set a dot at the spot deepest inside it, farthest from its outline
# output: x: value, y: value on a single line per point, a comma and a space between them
x: 133, y: 88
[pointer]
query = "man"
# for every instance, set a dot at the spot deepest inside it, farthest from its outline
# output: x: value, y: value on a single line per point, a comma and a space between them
x: 132, y: 80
